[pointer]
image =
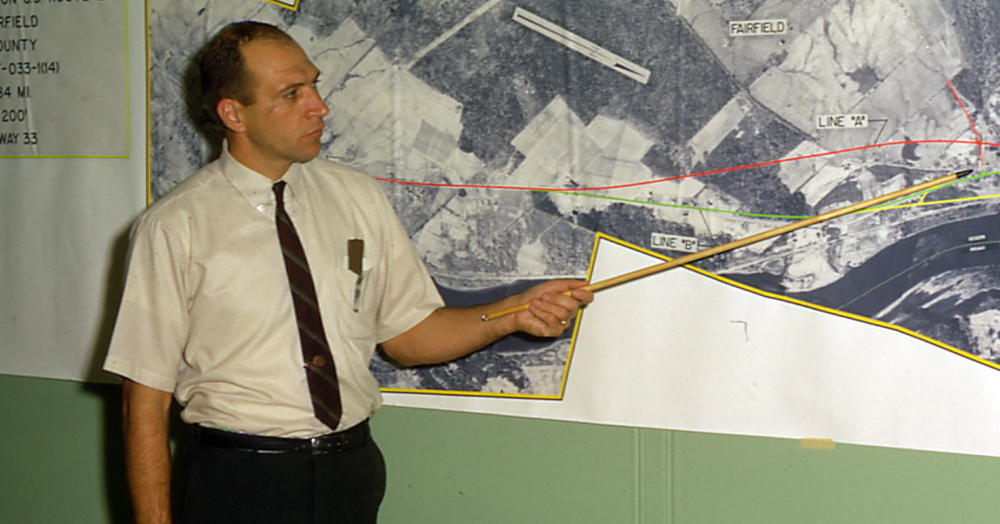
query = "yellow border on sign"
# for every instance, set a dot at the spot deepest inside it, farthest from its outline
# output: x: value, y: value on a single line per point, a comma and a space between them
x: 149, y: 104
x: 809, y: 305
x: 279, y: 3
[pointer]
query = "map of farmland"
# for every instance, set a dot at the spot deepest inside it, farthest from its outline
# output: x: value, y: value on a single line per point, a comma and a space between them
x: 508, y: 134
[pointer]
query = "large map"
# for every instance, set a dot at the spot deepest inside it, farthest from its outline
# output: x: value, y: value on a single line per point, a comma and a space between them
x: 509, y: 133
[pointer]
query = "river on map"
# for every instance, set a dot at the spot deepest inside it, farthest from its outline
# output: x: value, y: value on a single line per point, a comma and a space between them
x: 930, y: 283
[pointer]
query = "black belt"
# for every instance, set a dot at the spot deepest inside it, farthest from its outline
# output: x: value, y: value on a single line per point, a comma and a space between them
x: 348, y: 439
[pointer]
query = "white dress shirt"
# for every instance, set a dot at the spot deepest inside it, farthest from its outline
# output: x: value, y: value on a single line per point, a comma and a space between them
x: 207, y: 313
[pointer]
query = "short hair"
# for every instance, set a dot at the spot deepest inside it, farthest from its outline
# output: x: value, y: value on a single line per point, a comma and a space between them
x: 222, y: 67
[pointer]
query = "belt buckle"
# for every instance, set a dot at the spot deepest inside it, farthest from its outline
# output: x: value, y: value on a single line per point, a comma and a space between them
x: 332, y: 443
x: 324, y: 446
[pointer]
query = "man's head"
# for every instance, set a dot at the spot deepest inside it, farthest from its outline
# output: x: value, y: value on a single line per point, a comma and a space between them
x: 222, y: 67
x: 261, y: 86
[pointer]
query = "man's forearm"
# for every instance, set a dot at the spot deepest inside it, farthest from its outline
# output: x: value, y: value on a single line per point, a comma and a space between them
x: 450, y: 333
x: 425, y: 345
x: 146, y: 414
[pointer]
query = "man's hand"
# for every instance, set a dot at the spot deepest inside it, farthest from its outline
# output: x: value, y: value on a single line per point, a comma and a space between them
x: 550, y: 310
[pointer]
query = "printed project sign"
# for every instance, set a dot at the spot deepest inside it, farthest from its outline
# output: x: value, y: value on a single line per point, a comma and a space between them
x: 51, y: 52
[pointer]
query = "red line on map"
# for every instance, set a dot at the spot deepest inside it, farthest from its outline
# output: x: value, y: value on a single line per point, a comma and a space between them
x: 690, y: 175
x: 972, y: 124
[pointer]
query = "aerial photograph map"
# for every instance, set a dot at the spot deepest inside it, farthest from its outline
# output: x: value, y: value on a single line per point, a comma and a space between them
x: 509, y: 133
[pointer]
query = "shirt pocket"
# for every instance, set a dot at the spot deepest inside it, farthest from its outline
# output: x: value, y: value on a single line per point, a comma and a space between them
x: 356, y: 306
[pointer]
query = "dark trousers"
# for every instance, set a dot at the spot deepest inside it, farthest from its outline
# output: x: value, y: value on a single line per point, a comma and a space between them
x: 222, y: 486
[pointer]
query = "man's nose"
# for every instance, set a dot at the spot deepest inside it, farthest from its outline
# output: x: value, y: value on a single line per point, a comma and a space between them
x: 317, y: 105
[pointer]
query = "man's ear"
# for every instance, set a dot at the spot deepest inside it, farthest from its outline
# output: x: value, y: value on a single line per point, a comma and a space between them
x: 231, y: 113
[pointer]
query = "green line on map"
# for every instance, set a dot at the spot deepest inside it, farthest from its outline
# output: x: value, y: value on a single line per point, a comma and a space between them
x: 895, y: 204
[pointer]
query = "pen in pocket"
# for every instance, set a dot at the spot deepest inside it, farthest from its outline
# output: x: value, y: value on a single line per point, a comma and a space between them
x: 355, y: 262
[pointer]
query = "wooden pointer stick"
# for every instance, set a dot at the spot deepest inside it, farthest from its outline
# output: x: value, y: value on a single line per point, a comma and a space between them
x: 753, y: 239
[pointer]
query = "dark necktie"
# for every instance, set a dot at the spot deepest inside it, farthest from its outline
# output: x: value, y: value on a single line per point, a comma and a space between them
x: 321, y: 373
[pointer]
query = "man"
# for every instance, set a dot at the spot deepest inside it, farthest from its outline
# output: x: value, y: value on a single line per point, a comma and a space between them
x: 208, y: 317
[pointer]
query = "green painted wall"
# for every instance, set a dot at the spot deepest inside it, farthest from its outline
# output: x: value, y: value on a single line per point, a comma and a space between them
x: 60, y: 463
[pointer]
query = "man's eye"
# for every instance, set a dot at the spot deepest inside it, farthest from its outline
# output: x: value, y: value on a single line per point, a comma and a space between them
x: 292, y: 94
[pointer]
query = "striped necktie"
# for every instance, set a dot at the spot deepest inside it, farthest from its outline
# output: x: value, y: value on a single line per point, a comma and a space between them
x: 321, y: 373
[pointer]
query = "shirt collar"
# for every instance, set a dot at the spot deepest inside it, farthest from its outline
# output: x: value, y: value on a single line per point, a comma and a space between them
x: 255, y: 187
